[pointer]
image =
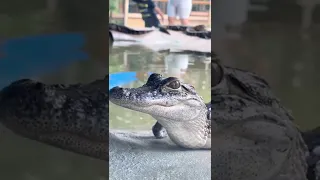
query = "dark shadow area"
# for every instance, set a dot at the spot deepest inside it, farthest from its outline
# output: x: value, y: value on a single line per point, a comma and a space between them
x: 52, y: 41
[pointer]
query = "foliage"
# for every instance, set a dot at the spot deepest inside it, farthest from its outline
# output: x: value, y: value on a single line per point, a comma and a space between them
x: 113, y: 6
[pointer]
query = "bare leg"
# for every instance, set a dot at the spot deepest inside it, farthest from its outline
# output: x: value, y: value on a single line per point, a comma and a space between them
x: 184, y: 22
x: 171, y: 11
x: 171, y: 20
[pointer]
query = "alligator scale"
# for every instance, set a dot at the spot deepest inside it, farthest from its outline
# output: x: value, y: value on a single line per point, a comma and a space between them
x: 197, y: 31
x: 73, y: 118
x: 250, y: 134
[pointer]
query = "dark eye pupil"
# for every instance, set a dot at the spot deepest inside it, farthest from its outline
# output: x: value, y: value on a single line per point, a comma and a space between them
x: 174, y: 85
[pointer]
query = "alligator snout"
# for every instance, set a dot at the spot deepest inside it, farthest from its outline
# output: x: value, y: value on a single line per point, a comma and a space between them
x: 116, y: 91
x: 117, y: 87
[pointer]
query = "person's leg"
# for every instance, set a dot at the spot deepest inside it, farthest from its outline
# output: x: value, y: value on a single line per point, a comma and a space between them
x: 147, y: 22
x: 151, y: 21
x: 171, y: 11
x: 184, y: 11
x: 155, y: 20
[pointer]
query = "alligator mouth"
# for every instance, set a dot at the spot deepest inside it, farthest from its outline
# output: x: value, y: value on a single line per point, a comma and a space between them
x: 124, y: 97
x: 64, y: 140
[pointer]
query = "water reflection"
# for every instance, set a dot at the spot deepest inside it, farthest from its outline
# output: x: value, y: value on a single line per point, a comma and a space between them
x: 131, y: 66
x: 176, y: 65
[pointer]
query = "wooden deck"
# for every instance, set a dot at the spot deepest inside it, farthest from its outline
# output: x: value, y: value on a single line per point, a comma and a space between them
x: 134, y: 19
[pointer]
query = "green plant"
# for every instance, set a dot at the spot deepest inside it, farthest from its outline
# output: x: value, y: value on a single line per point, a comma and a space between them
x: 113, y: 6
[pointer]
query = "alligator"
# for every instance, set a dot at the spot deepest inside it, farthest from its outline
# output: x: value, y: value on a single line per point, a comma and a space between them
x: 239, y: 85
x: 175, y: 105
x: 126, y: 30
x: 198, y: 31
x: 254, y: 136
x: 73, y: 117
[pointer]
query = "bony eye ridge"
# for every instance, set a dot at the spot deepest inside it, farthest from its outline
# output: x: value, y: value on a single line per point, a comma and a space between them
x: 174, y: 84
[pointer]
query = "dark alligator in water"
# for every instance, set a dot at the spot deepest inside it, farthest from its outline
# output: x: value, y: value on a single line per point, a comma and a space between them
x: 126, y: 30
x: 198, y: 31
x: 248, y: 123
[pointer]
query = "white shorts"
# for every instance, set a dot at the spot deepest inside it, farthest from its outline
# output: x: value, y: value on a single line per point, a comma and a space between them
x: 180, y: 8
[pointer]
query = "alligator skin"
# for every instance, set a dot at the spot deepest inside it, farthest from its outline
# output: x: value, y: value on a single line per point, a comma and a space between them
x: 198, y: 31
x: 260, y: 139
x: 124, y: 29
x: 74, y: 118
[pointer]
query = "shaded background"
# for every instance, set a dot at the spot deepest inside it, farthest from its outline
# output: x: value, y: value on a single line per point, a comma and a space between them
x: 53, y: 41
x: 279, y: 40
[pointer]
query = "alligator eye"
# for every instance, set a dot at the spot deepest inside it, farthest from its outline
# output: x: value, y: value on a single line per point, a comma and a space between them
x: 174, y: 85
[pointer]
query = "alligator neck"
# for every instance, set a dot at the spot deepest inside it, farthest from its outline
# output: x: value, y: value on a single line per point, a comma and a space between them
x: 194, y: 133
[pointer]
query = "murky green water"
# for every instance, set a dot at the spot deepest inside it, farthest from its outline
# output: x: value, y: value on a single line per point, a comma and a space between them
x: 191, y: 69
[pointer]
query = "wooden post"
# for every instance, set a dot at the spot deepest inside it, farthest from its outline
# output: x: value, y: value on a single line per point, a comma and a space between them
x: 126, y: 11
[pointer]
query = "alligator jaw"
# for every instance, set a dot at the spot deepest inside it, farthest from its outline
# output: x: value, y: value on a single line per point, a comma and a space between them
x: 151, y: 102
x: 193, y: 134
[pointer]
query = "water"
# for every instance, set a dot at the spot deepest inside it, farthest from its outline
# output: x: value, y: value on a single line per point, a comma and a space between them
x: 131, y: 66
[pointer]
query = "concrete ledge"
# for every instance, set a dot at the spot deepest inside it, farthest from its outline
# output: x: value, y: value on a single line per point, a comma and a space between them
x: 138, y: 156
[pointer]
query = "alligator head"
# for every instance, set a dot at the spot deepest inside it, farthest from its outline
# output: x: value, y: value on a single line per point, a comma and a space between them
x: 70, y: 117
x: 200, y: 28
x: 174, y: 104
